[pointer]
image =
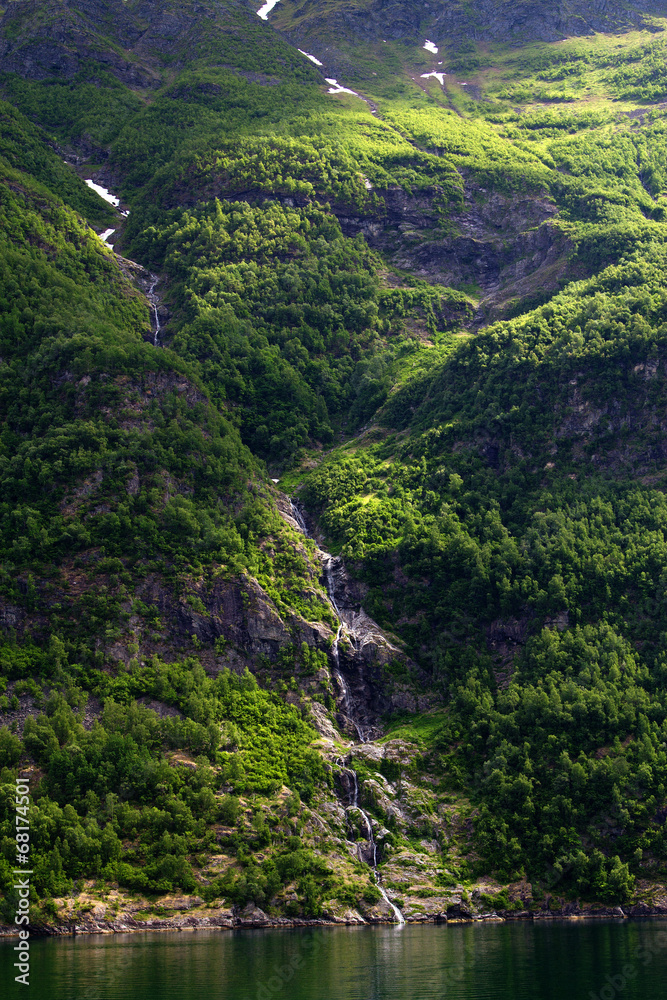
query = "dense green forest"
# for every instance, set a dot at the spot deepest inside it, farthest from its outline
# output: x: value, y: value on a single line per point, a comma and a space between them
x: 434, y: 310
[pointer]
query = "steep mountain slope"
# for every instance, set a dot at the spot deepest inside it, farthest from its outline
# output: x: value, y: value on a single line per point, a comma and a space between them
x: 300, y: 294
x: 454, y: 21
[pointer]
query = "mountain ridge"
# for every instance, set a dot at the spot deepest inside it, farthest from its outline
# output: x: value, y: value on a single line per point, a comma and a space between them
x: 480, y: 21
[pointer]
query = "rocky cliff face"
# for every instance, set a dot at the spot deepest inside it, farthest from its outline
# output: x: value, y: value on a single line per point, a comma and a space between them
x: 363, y: 659
x: 231, y: 621
x: 451, y: 22
x: 543, y: 21
x: 505, y: 244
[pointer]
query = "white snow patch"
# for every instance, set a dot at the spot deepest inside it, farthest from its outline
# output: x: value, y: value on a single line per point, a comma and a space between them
x: 264, y: 11
x: 277, y: 480
x: 103, y: 193
x: 430, y: 47
x: 105, y: 237
x: 440, y: 77
x: 335, y: 88
x: 312, y: 58
x: 369, y: 186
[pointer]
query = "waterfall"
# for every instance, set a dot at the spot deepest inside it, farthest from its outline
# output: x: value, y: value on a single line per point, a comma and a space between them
x: 297, y: 514
x: 335, y: 654
x: 153, y: 299
x: 328, y: 578
x: 354, y: 804
x: 400, y: 919
x: 328, y: 562
x: 345, y: 694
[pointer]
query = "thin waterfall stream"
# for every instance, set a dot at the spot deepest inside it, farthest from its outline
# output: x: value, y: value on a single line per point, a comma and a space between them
x: 327, y: 561
x: 354, y: 804
x: 153, y: 299
x: 335, y: 653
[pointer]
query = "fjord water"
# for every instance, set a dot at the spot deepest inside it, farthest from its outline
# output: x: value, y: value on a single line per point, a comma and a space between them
x: 522, y: 961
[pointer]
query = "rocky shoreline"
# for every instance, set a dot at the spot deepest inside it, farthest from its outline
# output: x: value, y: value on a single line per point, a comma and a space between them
x: 252, y: 918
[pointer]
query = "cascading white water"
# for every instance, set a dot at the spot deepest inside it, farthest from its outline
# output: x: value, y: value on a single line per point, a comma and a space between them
x: 152, y: 298
x: 328, y: 577
x: 298, y: 517
x: 297, y: 514
x: 345, y: 699
x: 335, y: 653
x: 345, y: 694
x: 400, y: 919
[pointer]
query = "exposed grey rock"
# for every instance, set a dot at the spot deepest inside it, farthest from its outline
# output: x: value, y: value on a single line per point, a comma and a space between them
x: 449, y: 23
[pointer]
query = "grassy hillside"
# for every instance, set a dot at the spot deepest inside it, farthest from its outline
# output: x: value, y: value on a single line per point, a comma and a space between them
x: 434, y: 309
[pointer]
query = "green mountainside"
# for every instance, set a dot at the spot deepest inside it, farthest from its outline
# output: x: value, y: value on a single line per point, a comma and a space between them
x: 333, y: 535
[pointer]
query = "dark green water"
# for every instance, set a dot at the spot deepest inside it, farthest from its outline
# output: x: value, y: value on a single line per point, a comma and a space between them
x: 562, y: 961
